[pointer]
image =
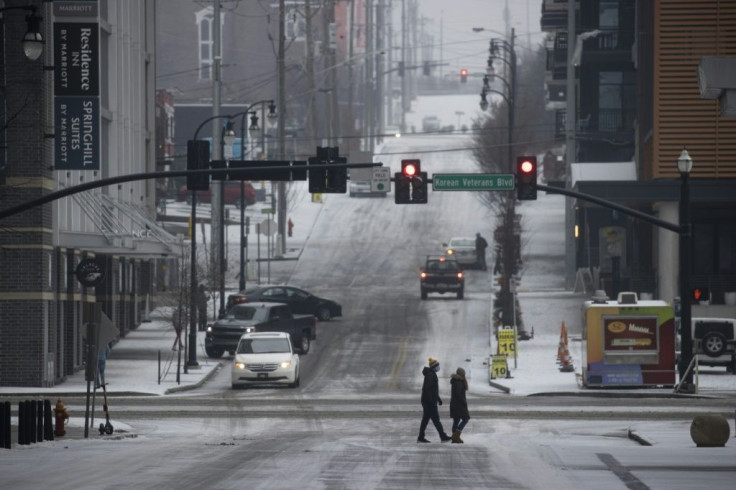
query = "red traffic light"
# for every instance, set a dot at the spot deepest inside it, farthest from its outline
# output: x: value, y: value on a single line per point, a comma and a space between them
x: 410, y: 168
x: 463, y: 72
x: 701, y: 294
x: 526, y: 167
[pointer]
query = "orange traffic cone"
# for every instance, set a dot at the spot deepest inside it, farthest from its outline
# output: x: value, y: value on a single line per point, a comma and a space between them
x: 563, y: 352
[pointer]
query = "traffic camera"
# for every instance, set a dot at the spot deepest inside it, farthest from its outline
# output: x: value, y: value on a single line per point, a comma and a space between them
x: 526, y: 178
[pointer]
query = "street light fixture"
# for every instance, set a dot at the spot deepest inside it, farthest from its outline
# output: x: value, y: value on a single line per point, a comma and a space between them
x: 272, y: 116
x: 685, y: 165
x: 32, y: 40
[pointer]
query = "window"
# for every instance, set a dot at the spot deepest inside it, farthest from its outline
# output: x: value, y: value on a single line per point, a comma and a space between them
x: 616, y: 101
x: 205, y: 29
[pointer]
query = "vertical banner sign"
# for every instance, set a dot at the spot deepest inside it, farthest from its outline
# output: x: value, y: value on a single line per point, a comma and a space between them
x: 77, y: 87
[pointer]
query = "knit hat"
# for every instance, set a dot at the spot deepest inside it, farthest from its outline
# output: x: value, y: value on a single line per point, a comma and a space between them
x: 460, y: 372
x: 433, y: 363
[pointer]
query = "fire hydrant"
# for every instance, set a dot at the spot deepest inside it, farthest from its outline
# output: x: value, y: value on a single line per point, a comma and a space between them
x: 291, y: 226
x: 61, y: 417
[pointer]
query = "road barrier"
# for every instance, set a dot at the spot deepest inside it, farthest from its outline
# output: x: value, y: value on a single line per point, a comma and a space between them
x: 34, y: 422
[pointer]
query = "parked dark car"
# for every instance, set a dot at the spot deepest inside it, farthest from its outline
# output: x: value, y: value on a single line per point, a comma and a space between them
x: 300, y: 301
x: 231, y: 194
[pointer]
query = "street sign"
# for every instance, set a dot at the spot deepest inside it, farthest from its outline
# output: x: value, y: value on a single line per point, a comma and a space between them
x: 268, y: 211
x: 473, y: 182
x: 268, y: 227
x: 381, y: 179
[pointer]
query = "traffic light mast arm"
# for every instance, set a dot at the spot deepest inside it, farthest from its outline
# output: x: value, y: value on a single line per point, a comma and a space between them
x: 612, y: 205
x: 53, y: 196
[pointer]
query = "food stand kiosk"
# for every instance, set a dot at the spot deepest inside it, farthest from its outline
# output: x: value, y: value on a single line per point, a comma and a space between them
x: 627, y: 342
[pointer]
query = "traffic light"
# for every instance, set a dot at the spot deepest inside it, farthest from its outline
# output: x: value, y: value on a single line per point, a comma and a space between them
x: 701, y: 294
x: 410, y: 183
x: 426, y: 69
x: 198, y: 158
x: 328, y: 180
x: 463, y: 76
x: 526, y: 178
x: 401, y: 68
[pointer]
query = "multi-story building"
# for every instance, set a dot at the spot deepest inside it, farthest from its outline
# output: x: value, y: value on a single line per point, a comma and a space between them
x: 639, y: 107
x: 82, y: 112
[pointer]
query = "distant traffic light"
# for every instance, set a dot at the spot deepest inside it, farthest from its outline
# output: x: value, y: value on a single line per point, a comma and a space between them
x: 701, y: 294
x: 463, y: 76
x: 426, y: 69
x: 410, y: 183
x: 526, y: 178
x: 198, y: 158
x: 328, y: 180
x: 401, y: 68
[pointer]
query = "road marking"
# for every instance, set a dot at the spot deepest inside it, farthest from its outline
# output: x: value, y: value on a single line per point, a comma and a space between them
x: 622, y: 472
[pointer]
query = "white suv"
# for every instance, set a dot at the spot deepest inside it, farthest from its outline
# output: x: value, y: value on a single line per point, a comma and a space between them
x: 265, y: 358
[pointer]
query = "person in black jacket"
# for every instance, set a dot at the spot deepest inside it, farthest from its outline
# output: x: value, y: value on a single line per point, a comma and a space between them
x: 458, y: 404
x: 430, y: 400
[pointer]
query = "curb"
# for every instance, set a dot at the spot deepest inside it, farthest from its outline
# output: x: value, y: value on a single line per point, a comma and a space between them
x: 642, y: 440
x: 196, y: 385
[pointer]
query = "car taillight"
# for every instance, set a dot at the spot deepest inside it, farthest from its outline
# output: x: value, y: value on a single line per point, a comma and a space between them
x: 423, y: 275
x: 242, y: 299
x: 459, y: 275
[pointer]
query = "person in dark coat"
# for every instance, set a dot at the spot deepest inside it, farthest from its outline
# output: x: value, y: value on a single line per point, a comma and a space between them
x: 480, y: 251
x: 458, y: 404
x: 430, y: 400
x: 202, y: 298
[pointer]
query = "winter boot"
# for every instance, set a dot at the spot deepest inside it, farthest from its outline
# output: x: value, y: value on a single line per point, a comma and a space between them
x: 445, y: 438
x: 422, y: 439
x: 456, y: 437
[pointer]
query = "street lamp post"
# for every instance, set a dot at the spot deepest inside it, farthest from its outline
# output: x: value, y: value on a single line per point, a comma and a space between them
x: 508, y: 257
x: 192, y: 344
x: 227, y: 138
x: 254, y: 127
x: 685, y: 165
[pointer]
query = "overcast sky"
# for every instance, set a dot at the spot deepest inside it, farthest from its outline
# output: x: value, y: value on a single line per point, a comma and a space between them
x: 455, y: 19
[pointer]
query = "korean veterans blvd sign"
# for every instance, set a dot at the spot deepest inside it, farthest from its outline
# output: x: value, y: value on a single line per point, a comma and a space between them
x: 473, y: 182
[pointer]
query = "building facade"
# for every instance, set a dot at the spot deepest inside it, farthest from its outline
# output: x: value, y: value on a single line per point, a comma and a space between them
x: 639, y: 105
x: 82, y: 112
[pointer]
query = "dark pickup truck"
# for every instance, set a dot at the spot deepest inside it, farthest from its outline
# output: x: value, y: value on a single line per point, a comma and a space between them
x: 441, y: 275
x: 224, y: 334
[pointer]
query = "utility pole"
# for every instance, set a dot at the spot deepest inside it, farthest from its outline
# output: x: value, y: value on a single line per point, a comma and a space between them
x: 380, y: 49
x: 351, y: 83
x: 281, y: 204
x: 404, y: 87
x: 310, y: 76
x: 334, y: 105
x: 368, y: 104
x: 217, y: 235
x: 390, y: 64
x: 571, y: 146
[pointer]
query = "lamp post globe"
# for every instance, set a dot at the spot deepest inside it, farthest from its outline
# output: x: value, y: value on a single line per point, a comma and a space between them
x: 684, y: 162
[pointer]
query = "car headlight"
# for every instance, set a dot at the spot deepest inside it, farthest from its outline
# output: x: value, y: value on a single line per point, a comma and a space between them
x: 239, y: 365
x: 209, y: 328
x: 249, y: 329
x: 285, y: 364
x: 450, y: 251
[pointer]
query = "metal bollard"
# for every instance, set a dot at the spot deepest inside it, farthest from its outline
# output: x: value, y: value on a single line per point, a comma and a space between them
x: 31, y: 421
x: 48, y: 425
x: 39, y: 420
x: 22, y: 423
x: 5, y: 425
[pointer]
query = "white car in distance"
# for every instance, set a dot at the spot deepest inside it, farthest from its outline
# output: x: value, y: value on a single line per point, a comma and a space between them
x: 265, y: 358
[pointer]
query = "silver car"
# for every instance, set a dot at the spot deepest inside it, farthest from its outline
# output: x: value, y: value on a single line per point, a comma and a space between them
x: 463, y: 250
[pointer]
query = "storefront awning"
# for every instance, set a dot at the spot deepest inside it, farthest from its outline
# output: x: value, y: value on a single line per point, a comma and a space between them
x: 122, y: 229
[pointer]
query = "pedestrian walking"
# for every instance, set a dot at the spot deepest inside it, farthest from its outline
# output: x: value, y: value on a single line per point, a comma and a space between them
x: 102, y: 355
x: 458, y: 404
x: 430, y: 400
x: 480, y: 251
x: 202, y: 298
x: 178, y: 319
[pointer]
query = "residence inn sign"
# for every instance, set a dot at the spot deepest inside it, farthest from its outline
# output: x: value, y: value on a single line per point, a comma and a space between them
x: 77, y: 95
